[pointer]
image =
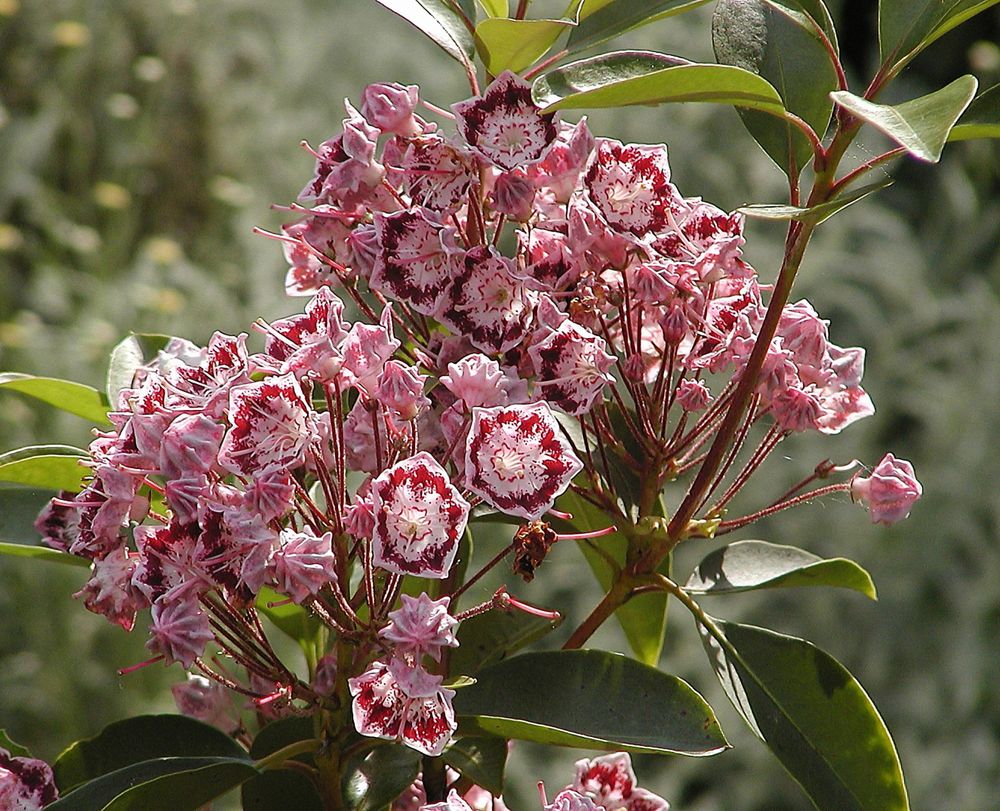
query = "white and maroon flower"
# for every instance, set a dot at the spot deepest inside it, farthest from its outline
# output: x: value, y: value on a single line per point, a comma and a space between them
x: 610, y: 781
x: 303, y: 564
x: 397, y: 702
x: 630, y: 185
x: 26, y: 784
x: 569, y: 800
x: 889, y: 492
x: 421, y: 626
x: 560, y: 169
x: 517, y: 459
x: 706, y: 237
x: 346, y: 168
x: 272, y: 424
x: 571, y: 365
x: 418, y: 259
x: 488, y: 303
x: 419, y: 518
x: 190, y: 446
x: 504, y: 125
x: 401, y: 390
x: 436, y: 173
x: 110, y: 591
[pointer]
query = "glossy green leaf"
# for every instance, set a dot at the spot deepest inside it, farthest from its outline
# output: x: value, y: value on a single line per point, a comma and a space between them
x: 920, y: 125
x: 30, y: 451
x: 779, y: 42
x: 491, y: 637
x: 19, y: 507
x: 163, y: 784
x: 496, y: 8
x: 515, y: 44
x: 749, y: 565
x: 812, y: 714
x: 19, y: 550
x: 73, y: 398
x: 643, y: 618
x: 593, y: 83
x: 14, y: 749
x: 439, y: 20
x: 46, y: 471
x: 906, y: 27
x: 281, y: 788
x: 372, y: 782
x: 592, y: 699
x: 981, y: 119
x: 138, y: 739
x: 127, y: 356
x: 816, y: 214
x: 481, y: 758
x: 601, y: 20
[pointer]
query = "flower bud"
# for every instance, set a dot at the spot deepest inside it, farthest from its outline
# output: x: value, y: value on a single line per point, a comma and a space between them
x: 389, y: 107
x: 889, y: 492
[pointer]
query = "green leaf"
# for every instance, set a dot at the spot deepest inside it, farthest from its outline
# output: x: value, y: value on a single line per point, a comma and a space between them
x: 439, y: 20
x: 373, y: 781
x: 601, y: 20
x: 781, y: 43
x: 143, y: 738
x: 46, y: 471
x: 598, y: 82
x: 15, y: 749
x: 749, y: 565
x: 812, y: 714
x: 491, y: 637
x: 129, y: 354
x: 30, y: 451
x: 981, y: 119
x: 164, y: 784
x: 481, y: 758
x: 19, y: 507
x: 920, y: 125
x: 19, y: 550
x: 281, y: 788
x: 592, y: 699
x: 816, y: 214
x: 906, y: 27
x: 301, y: 625
x: 73, y: 398
x: 496, y: 8
x: 515, y: 44
x: 642, y: 618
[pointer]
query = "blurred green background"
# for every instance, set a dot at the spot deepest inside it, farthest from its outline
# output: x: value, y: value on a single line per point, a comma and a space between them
x: 141, y: 141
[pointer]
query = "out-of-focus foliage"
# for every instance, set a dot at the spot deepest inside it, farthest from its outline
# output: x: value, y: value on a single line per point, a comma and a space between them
x: 139, y: 142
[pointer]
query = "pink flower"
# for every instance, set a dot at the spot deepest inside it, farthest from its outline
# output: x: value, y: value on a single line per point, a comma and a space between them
x: 453, y: 803
x: 397, y: 702
x: 572, y: 367
x: 271, y: 494
x: 487, y: 303
x: 517, y: 459
x: 504, y: 125
x: 693, y: 395
x: 611, y: 782
x: 421, y: 626
x: 190, y: 446
x: 110, y: 592
x: 26, y: 784
x: 436, y: 173
x: 272, y: 424
x: 630, y: 185
x: 389, y: 107
x: 476, y: 380
x: 708, y: 238
x: 303, y: 564
x: 205, y: 700
x: 366, y: 350
x: 560, y: 169
x: 401, y: 390
x: 179, y: 630
x: 513, y: 195
x: 419, y: 518
x: 569, y: 800
x: 346, y: 169
x: 889, y: 492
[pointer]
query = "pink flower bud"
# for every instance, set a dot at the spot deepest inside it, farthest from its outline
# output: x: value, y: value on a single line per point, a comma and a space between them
x: 389, y: 107
x: 513, y: 195
x: 889, y: 492
x: 693, y: 395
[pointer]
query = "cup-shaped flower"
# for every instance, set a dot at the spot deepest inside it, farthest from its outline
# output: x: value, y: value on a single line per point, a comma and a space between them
x: 517, y: 459
x: 179, y: 629
x: 421, y: 626
x: 303, y: 564
x: 26, y: 784
x: 395, y: 701
x: 572, y: 367
x: 611, y: 782
x: 271, y: 425
x: 889, y: 492
x: 419, y: 518
x: 504, y: 125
